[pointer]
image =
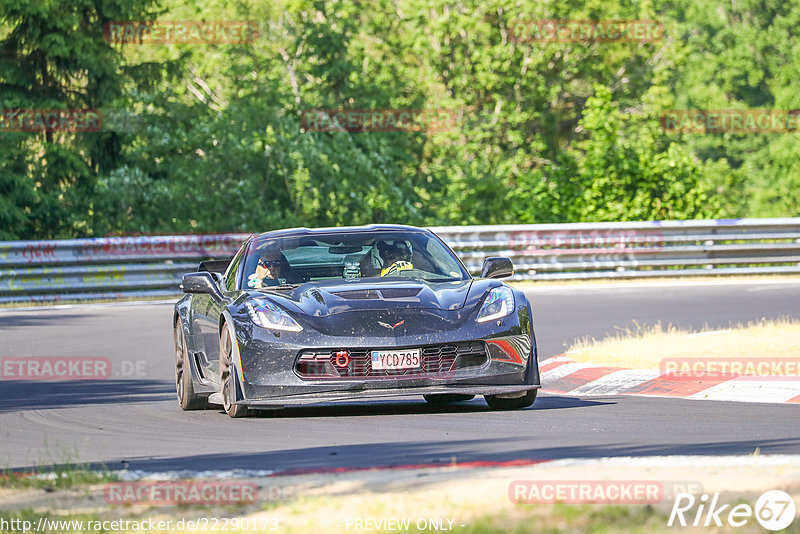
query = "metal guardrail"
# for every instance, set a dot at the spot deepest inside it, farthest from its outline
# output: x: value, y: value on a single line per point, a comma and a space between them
x: 634, y: 249
x: 105, y: 268
x: 117, y: 267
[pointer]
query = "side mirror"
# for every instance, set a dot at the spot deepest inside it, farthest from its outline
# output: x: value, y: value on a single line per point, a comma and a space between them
x: 203, y: 283
x: 495, y: 267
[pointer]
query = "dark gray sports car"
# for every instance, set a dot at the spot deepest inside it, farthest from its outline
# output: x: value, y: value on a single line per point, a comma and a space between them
x: 307, y: 316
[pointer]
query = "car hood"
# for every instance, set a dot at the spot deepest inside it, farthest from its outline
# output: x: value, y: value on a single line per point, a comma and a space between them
x: 377, y: 308
x: 331, y: 297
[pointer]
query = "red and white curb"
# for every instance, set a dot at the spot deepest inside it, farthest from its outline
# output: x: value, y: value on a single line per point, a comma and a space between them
x: 560, y: 375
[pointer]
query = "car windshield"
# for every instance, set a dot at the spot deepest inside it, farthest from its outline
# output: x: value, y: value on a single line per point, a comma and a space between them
x: 383, y: 255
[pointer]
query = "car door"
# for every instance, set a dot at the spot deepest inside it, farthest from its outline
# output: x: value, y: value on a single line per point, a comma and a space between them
x: 205, y: 327
x: 212, y: 311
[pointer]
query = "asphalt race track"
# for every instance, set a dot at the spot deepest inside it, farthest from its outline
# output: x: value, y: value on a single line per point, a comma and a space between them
x: 132, y: 419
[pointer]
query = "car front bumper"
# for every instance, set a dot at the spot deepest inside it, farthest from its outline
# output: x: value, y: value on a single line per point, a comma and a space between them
x: 267, y: 375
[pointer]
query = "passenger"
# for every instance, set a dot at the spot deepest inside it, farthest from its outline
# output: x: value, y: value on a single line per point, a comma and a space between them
x: 396, y: 257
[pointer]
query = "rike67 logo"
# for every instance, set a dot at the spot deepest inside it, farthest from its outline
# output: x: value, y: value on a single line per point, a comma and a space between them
x: 774, y: 510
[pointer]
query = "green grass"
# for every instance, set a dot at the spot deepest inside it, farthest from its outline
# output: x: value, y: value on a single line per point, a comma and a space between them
x: 57, y: 477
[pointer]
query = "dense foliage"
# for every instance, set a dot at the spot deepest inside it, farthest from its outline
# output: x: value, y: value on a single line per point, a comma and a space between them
x: 545, y: 131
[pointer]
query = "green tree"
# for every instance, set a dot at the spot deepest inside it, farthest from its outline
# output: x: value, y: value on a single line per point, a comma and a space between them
x: 53, y: 56
x: 624, y: 169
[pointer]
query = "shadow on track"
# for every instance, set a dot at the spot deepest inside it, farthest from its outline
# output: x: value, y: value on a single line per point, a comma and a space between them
x: 10, y: 322
x: 28, y: 395
x: 409, y: 455
x: 410, y: 407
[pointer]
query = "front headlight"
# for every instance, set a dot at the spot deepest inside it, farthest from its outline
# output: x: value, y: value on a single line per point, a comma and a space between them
x: 498, y: 304
x: 268, y: 315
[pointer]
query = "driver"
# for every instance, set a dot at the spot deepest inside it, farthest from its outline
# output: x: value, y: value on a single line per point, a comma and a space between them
x: 396, y: 256
x: 269, y: 271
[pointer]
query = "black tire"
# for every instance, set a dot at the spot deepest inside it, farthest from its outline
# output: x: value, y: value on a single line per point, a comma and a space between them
x: 519, y: 403
x: 438, y: 399
x: 226, y: 376
x: 187, y: 398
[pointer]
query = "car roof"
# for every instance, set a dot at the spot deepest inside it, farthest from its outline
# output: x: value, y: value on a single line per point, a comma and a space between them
x: 290, y: 232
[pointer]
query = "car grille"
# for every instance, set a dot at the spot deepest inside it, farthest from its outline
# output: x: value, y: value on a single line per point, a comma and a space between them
x: 436, y: 361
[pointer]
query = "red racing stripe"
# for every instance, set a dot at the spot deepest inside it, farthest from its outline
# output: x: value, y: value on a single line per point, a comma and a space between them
x: 675, y: 386
x: 549, y: 365
x: 579, y: 378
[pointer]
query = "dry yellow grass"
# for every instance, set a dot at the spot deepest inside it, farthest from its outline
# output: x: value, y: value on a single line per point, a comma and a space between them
x: 476, y: 501
x: 645, y: 348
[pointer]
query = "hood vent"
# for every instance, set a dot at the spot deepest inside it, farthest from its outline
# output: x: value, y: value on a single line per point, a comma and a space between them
x: 374, y: 294
x: 359, y: 294
x: 400, y: 292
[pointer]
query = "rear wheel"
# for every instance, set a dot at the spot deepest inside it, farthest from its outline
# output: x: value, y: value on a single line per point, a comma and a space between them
x: 227, y: 379
x: 446, y: 398
x: 187, y: 398
x: 517, y: 403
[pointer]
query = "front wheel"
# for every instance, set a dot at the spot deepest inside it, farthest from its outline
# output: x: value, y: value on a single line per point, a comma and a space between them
x: 517, y: 403
x: 227, y: 379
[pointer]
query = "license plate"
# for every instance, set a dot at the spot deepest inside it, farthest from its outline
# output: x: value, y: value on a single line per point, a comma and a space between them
x: 396, y: 359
